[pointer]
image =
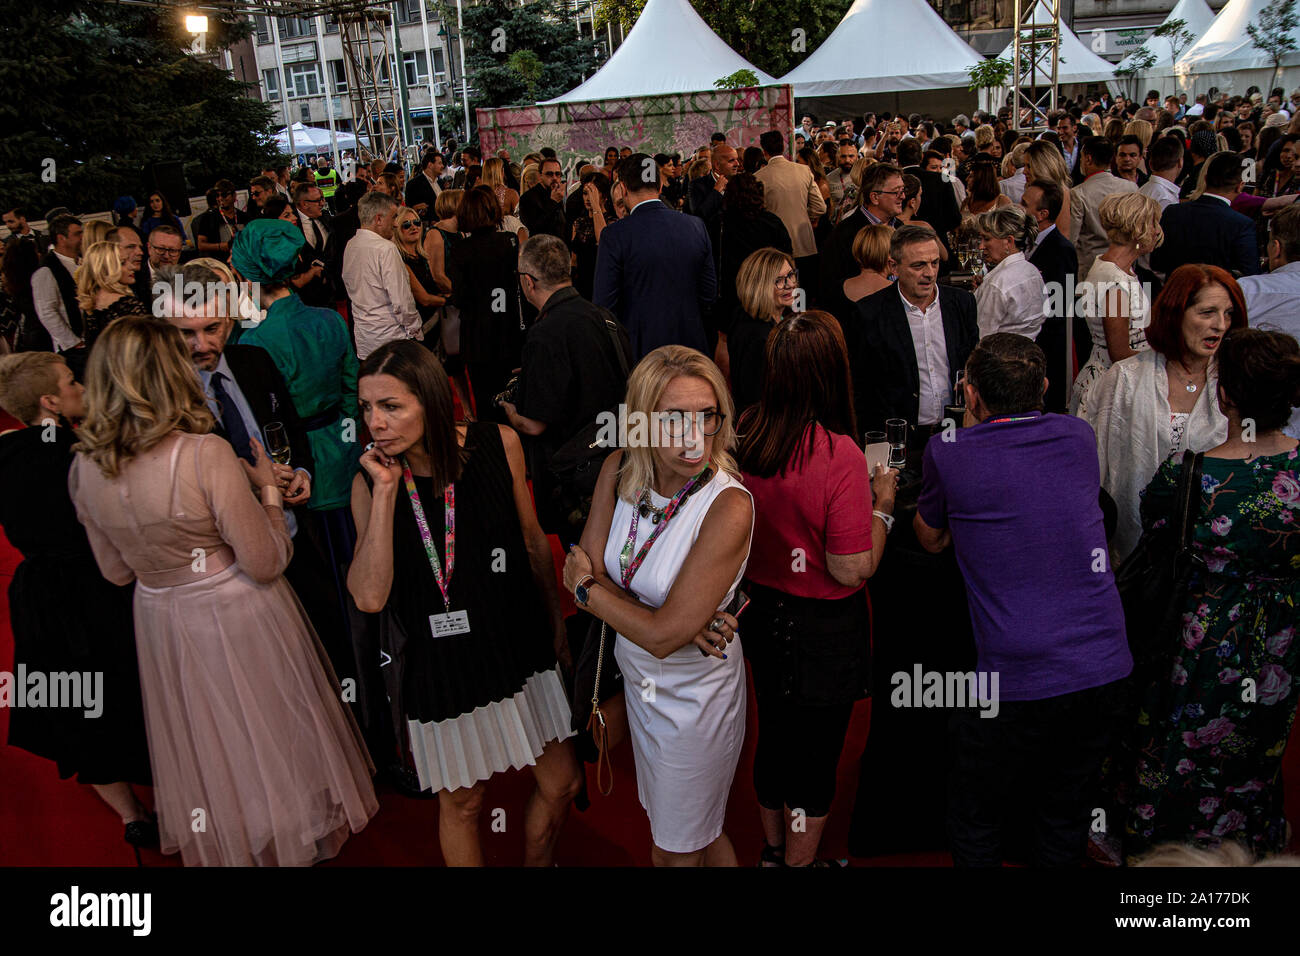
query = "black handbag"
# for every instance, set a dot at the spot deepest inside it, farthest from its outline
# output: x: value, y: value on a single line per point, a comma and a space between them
x: 1153, y: 580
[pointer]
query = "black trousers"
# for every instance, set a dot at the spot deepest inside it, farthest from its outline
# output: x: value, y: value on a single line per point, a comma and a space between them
x: 1051, y: 339
x: 1039, y: 757
x: 797, y: 753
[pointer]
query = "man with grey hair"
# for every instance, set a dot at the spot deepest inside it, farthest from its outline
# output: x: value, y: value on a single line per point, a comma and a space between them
x: 383, y: 306
x: 575, y: 365
x: 961, y: 124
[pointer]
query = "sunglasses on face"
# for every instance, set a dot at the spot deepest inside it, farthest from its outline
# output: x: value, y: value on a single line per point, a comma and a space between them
x: 411, y: 224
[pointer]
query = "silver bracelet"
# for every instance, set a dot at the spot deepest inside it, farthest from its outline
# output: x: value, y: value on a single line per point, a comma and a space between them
x: 887, y: 519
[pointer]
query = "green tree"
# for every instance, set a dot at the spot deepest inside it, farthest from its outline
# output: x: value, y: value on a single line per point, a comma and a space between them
x: 95, y: 92
x: 737, y: 81
x: 1134, y: 66
x: 522, y: 53
x: 1274, y: 33
x: 774, y: 36
x: 990, y: 74
x: 1178, y: 36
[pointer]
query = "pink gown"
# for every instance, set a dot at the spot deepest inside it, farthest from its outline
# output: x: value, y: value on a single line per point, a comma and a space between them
x: 256, y: 761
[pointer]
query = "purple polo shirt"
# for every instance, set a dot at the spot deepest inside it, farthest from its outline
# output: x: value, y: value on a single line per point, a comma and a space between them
x: 1020, y: 495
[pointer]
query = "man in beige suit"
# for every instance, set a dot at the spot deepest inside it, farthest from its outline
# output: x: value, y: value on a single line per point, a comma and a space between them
x: 1086, y: 231
x: 790, y: 192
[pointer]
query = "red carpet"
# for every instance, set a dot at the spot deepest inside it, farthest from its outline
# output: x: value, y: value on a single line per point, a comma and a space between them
x: 45, y: 821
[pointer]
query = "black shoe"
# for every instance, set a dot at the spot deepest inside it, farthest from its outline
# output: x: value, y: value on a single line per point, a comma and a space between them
x: 772, y: 856
x: 143, y: 834
x: 835, y: 864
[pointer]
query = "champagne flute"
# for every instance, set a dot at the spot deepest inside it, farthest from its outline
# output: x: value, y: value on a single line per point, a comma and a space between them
x: 277, y: 442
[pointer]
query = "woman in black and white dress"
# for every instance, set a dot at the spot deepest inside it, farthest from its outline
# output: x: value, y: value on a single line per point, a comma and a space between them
x: 671, y: 524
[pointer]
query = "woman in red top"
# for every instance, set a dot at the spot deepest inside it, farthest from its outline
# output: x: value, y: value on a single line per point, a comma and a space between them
x: 818, y: 536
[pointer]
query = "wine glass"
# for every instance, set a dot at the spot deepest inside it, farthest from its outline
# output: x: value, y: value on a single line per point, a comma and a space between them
x: 277, y: 442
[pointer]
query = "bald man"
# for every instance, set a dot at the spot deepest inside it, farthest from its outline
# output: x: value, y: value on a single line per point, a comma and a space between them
x: 705, y: 197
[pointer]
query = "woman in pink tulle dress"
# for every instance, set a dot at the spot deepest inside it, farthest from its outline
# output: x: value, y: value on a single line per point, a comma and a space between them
x: 255, y: 759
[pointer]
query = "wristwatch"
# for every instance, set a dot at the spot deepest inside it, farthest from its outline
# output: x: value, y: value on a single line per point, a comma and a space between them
x: 581, y: 593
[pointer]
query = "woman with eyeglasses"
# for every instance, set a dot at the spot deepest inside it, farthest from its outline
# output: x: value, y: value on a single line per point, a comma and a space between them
x: 419, y: 270
x: 766, y: 286
x: 661, y: 556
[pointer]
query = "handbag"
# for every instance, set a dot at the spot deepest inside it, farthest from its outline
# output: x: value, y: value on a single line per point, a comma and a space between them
x: 1154, y: 579
x: 596, y: 678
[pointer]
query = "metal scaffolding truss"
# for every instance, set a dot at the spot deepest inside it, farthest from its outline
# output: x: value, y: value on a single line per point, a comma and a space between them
x: 1035, y: 53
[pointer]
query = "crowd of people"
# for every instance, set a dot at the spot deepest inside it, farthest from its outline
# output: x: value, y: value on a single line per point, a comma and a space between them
x: 244, y: 494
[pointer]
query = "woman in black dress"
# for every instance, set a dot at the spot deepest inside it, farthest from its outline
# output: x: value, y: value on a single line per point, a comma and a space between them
x: 767, y: 285
x: 745, y: 228
x: 104, y: 289
x: 450, y: 555
x: 66, y: 618
x: 485, y: 288
x: 598, y: 211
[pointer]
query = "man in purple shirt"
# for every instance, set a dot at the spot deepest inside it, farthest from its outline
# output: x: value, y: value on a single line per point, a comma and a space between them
x: 1016, y: 494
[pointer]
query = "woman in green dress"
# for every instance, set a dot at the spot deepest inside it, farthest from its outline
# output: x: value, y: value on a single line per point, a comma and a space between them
x: 1213, y: 726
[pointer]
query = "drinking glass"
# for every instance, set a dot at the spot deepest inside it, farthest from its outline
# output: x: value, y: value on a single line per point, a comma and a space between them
x: 277, y: 442
x: 896, y: 432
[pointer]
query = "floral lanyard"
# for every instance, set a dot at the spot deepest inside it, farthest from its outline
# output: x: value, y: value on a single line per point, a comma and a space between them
x: 449, y: 516
x: 629, y: 565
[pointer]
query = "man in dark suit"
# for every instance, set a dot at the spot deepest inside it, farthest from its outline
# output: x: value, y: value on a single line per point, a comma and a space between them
x: 1055, y: 258
x: 908, y: 341
x: 880, y: 200
x: 654, y: 266
x: 422, y: 191
x: 541, y: 209
x: 312, y: 281
x: 1208, y: 230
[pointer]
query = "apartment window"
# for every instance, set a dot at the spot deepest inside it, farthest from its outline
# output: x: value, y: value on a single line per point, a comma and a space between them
x: 299, y: 53
x: 302, y: 79
x: 338, y: 75
x: 439, y: 63
x: 408, y: 11
x: 292, y: 27
x: 415, y: 67
x: 331, y: 25
x: 305, y: 112
x: 263, y: 27
x: 272, y: 80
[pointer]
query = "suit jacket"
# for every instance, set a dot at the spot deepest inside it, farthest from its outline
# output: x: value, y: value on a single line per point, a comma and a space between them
x: 790, y: 191
x: 318, y: 292
x: 268, y: 398
x: 1055, y: 258
x: 703, y: 200
x: 342, y: 228
x: 1086, y: 230
x: 542, y: 214
x: 1206, y: 230
x: 420, y: 190
x: 654, y: 271
x: 882, y: 356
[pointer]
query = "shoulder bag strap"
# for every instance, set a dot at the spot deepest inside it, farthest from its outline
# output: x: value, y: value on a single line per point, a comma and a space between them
x: 1188, y: 488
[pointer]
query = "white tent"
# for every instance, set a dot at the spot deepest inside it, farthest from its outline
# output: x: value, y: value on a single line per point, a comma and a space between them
x: 670, y: 50
x: 1225, y: 56
x: 309, y: 139
x: 1076, y: 63
x: 1197, y: 17
x: 884, y: 46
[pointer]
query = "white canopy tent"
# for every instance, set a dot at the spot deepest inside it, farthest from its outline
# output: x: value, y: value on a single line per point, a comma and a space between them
x: 885, y: 46
x: 1197, y: 17
x: 1076, y: 63
x: 310, y: 139
x: 670, y: 50
x: 1225, y: 56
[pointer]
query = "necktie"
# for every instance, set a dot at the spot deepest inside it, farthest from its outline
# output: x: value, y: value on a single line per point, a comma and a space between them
x: 231, y: 419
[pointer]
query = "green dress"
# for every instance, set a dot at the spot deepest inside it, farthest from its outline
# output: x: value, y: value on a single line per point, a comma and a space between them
x: 1208, y: 745
x: 313, y: 351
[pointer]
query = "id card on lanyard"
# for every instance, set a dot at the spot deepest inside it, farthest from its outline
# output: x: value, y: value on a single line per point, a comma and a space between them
x: 450, y: 622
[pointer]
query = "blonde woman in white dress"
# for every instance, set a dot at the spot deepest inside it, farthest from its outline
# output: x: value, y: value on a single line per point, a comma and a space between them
x: 671, y: 525
x: 1113, y: 300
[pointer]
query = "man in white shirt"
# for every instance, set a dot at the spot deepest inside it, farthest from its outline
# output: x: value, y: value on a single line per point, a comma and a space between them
x: 383, y: 306
x: 1165, y: 160
x: 54, y: 293
x: 1198, y: 107
x: 1271, y: 298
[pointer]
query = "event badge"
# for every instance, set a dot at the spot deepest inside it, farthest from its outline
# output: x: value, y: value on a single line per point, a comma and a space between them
x: 449, y: 624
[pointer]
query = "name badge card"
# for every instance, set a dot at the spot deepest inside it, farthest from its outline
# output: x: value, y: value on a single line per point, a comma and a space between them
x: 449, y: 624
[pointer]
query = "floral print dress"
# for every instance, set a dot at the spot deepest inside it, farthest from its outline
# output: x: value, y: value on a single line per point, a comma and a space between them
x: 1211, y: 731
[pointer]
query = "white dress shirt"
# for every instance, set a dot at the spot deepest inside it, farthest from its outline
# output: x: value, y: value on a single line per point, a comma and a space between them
x: 1010, y: 299
x: 383, y: 306
x: 1161, y: 190
x: 926, y: 326
x: 1271, y: 304
x: 1013, y: 187
x: 49, y: 305
x: 309, y: 227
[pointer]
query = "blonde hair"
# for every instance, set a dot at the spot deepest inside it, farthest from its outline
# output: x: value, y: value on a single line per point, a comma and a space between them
x: 100, y: 271
x: 1047, y: 162
x: 418, y: 245
x: 860, y: 169
x: 871, y: 247
x: 140, y: 387
x: 493, y: 172
x: 756, y: 281
x: 984, y: 136
x: 1142, y: 130
x: 448, y: 201
x: 1014, y: 160
x: 1008, y: 222
x: 529, y: 177
x: 1226, y: 854
x: 1130, y: 218
x: 24, y: 378
x: 646, y: 386
x: 95, y: 230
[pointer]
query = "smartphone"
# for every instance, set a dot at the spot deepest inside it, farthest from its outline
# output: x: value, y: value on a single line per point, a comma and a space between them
x: 739, y: 601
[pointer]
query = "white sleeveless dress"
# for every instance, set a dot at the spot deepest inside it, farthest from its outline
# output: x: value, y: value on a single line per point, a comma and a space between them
x: 1102, y: 277
x: 686, y: 713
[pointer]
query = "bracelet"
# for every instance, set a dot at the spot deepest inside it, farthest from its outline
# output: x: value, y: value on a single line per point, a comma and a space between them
x: 887, y: 520
x: 277, y: 499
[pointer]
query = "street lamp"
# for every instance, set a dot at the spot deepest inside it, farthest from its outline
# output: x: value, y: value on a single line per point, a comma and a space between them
x: 196, y: 24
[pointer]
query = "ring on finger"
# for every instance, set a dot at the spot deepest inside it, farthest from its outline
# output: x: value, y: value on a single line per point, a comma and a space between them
x: 716, y: 625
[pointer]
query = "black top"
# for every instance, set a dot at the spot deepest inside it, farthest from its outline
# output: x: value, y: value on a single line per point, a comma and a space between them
x: 737, y: 238
x: 208, y: 224
x: 509, y: 639
x: 747, y: 351
x: 479, y: 266
x: 424, y: 275
x: 98, y: 319
x: 542, y: 214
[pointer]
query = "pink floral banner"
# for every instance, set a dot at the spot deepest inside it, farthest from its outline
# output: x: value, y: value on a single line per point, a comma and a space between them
x: 674, y: 123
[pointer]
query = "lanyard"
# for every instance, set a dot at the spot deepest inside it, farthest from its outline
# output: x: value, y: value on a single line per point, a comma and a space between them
x: 449, y: 514
x: 1020, y: 418
x: 630, y: 565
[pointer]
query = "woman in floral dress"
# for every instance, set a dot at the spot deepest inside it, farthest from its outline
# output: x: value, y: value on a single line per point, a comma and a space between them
x: 1212, y: 729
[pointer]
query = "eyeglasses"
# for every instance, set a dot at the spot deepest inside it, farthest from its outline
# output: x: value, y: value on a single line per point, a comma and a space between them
x: 788, y: 281
x: 529, y: 274
x: 318, y: 199
x: 676, y: 423
x: 163, y: 250
x: 900, y: 192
